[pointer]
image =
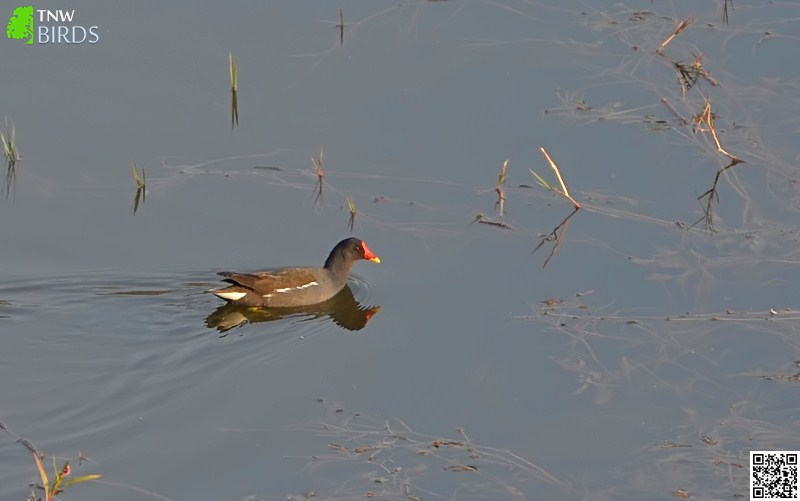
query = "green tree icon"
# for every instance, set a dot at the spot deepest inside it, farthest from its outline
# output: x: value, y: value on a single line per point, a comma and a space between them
x: 20, y: 24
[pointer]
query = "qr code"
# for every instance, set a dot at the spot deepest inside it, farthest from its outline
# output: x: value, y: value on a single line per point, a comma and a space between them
x: 773, y: 475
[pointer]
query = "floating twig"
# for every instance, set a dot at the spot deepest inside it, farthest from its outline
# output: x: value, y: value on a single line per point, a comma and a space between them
x: 483, y: 219
x: 460, y: 467
x: 707, y: 117
x: 684, y: 24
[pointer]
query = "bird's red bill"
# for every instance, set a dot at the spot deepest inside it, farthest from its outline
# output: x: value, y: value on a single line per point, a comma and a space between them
x: 368, y: 254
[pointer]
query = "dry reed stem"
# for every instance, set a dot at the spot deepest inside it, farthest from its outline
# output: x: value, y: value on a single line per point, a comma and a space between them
x: 674, y: 34
x: 697, y: 67
x: 707, y: 118
x: 501, y: 194
x: 565, y: 192
x: 233, y: 69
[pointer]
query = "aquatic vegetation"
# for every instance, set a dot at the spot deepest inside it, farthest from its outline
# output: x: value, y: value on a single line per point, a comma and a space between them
x: 141, y: 186
x: 317, y: 159
x: 9, y: 143
x: 340, y: 27
x: 706, y: 118
x: 557, y: 234
x: 680, y: 29
x: 670, y: 115
x: 351, y: 206
x: 500, y: 190
x: 233, y: 70
x: 59, y: 481
x: 11, y: 152
x: 563, y: 191
x: 53, y: 487
x: 394, y: 461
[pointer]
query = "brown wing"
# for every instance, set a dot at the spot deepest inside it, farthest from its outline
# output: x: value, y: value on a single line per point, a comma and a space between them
x: 246, y: 280
x: 267, y: 282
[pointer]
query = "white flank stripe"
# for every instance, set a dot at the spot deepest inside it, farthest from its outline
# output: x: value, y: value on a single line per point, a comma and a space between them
x: 232, y: 296
x: 304, y: 286
x: 267, y: 295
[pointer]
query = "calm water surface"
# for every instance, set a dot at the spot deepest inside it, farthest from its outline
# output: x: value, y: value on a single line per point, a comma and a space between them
x: 646, y: 359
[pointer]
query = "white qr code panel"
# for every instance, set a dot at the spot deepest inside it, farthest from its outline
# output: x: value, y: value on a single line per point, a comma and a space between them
x: 773, y: 475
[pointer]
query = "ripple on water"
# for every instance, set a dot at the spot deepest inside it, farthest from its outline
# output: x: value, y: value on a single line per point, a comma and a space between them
x: 92, y: 355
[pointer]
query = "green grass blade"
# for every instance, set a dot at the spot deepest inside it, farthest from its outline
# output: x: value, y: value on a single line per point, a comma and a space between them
x: 138, y: 175
x: 541, y: 180
x: 77, y: 480
x: 233, y: 67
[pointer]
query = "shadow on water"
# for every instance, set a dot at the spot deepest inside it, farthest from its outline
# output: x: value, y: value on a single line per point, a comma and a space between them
x: 342, y: 308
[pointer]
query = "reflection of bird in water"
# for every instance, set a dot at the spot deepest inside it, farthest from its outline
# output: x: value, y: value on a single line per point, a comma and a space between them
x: 342, y: 308
x: 287, y: 287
